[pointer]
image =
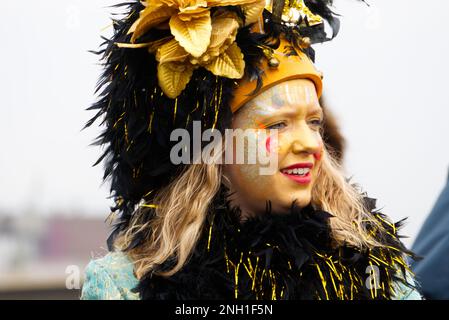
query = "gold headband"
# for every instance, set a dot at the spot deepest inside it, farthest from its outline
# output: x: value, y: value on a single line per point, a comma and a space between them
x: 284, y: 69
x: 277, y: 65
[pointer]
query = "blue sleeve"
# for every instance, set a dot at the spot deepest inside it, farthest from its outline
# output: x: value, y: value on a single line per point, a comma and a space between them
x: 98, y: 285
x: 109, y: 278
x: 406, y: 293
x: 403, y: 292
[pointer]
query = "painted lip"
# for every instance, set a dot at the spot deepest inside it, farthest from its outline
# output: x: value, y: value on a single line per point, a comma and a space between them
x: 303, y: 179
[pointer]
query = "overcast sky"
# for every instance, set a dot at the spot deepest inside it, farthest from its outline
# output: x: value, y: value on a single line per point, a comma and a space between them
x: 385, y: 78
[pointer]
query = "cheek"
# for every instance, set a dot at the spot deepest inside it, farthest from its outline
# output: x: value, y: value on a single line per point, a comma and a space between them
x: 272, y: 143
x: 251, y: 183
x: 250, y: 171
x: 279, y: 143
x: 268, y: 144
x: 319, y: 154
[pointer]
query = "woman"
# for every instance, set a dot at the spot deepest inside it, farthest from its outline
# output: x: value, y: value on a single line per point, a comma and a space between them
x: 231, y: 230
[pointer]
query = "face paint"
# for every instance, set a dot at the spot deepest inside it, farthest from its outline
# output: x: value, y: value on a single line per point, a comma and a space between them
x: 272, y: 143
x: 276, y: 100
x: 267, y: 145
x: 318, y: 155
x: 292, y: 98
x: 291, y: 105
x: 308, y: 95
x: 248, y: 169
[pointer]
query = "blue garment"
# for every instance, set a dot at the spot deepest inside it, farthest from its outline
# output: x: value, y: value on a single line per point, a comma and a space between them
x: 432, y: 244
x: 112, y: 278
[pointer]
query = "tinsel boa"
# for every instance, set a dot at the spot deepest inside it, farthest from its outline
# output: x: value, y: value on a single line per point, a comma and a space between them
x: 283, y: 256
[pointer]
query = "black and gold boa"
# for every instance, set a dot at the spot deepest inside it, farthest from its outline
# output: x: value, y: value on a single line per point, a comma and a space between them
x: 278, y: 256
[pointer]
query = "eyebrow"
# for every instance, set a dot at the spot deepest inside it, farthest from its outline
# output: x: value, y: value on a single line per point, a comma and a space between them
x: 315, y: 110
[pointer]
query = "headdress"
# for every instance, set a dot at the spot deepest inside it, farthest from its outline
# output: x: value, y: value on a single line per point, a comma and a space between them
x: 172, y: 62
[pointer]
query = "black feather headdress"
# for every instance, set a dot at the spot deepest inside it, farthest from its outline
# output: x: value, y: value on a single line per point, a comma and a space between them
x: 137, y: 114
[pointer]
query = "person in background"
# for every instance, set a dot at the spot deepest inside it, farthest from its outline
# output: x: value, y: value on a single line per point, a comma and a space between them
x: 432, y: 244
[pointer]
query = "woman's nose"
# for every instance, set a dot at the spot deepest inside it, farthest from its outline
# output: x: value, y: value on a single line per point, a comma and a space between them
x: 305, y: 140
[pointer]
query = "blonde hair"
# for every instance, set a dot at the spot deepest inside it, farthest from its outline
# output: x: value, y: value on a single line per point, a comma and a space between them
x: 181, y: 209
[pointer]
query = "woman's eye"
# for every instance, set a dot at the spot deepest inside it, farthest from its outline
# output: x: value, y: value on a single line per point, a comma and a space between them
x: 316, y: 122
x: 279, y: 125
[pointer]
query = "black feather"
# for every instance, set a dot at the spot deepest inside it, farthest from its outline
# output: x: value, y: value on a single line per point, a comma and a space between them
x: 291, y: 248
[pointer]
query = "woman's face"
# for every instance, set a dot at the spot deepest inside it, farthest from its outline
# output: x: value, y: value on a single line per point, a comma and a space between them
x: 293, y: 108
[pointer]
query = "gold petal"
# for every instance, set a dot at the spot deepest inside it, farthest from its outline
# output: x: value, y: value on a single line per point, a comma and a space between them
x: 173, y: 77
x: 193, y: 35
x: 171, y: 51
x: 170, y: 3
x: 224, y: 27
x: 230, y: 64
x: 253, y: 12
x: 194, y: 8
x: 148, y: 19
x: 132, y: 45
x: 192, y: 15
x: 220, y: 3
x: 149, y: 8
x: 153, y: 46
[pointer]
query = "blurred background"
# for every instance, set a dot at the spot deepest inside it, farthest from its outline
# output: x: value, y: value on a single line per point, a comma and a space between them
x: 385, y: 78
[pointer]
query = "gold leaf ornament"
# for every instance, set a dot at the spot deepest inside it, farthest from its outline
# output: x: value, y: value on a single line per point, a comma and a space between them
x: 224, y: 32
x: 173, y: 77
x: 171, y: 51
x: 193, y: 35
x: 253, y: 11
x: 225, y: 3
x: 150, y: 17
x: 229, y: 64
x: 193, y: 9
x: 198, y: 40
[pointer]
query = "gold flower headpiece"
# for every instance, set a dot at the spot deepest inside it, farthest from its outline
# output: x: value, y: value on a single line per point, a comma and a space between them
x: 200, y: 39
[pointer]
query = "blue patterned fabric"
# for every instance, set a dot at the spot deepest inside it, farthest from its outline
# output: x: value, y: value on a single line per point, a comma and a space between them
x: 112, y: 278
x: 109, y: 278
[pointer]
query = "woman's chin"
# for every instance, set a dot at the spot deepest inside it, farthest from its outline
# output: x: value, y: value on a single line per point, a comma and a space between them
x: 301, y: 199
x: 283, y: 207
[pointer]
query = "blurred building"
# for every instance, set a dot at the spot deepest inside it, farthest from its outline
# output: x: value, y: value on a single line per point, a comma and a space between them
x: 45, y: 257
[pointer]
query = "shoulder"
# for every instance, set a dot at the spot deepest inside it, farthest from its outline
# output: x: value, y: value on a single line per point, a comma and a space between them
x: 109, y: 278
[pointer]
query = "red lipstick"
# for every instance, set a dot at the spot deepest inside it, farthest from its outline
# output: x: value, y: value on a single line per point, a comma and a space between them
x: 299, y: 172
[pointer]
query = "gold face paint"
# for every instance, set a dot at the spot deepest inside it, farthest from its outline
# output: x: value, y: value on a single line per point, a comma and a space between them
x: 293, y: 108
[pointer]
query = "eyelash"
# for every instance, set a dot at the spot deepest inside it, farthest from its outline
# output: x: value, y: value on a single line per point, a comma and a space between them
x: 276, y: 124
x: 316, y: 123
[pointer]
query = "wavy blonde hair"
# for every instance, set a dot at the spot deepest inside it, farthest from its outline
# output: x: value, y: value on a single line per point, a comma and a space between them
x: 181, y: 210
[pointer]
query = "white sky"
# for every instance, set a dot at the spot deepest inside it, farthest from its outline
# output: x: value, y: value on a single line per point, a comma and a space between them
x: 385, y: 78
